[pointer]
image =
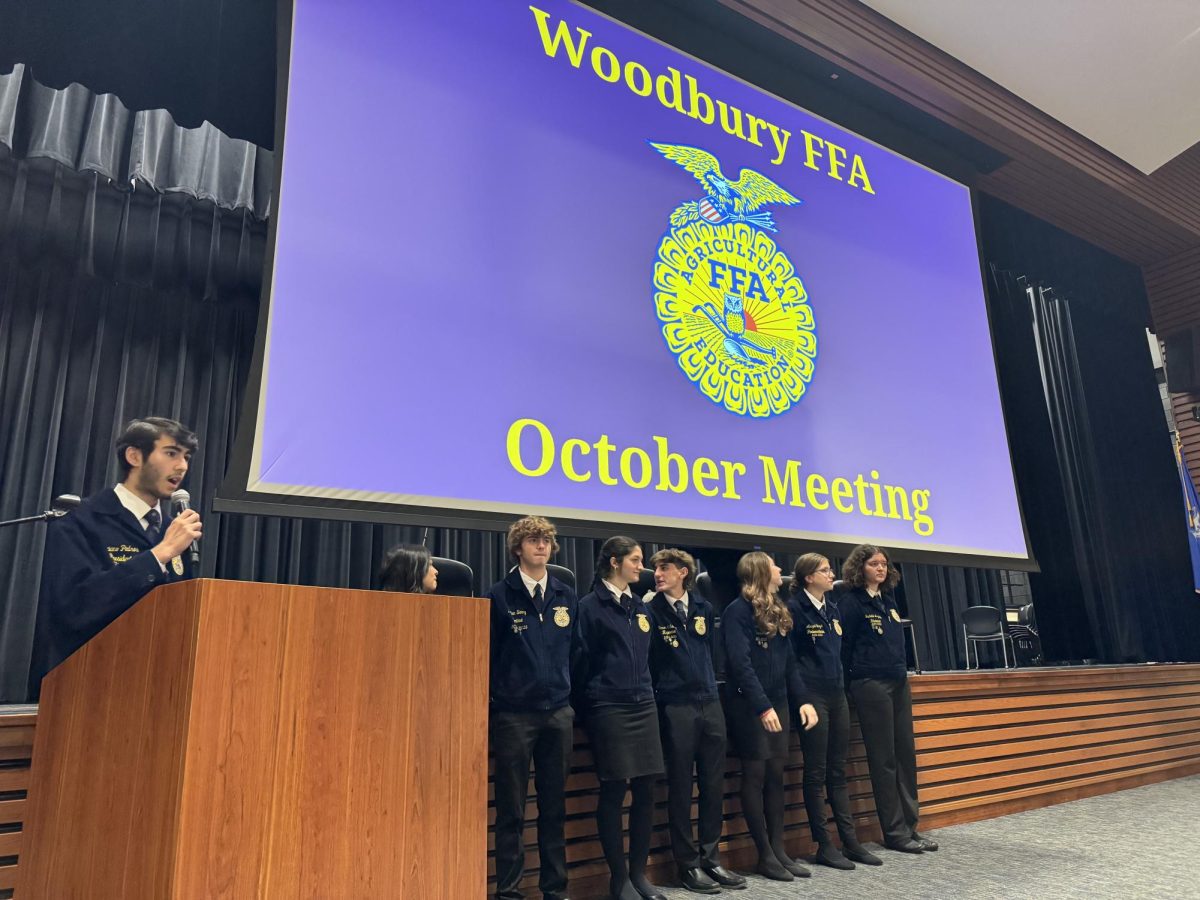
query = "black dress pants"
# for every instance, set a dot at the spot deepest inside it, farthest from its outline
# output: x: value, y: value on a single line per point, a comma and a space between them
x: 545, y: 737
x: 885, y: 714
x: 826, y: 745
x: 693, y: 736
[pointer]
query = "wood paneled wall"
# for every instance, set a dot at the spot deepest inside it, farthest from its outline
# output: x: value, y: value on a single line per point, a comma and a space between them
x: 16, y: 749
x: 989, y: 743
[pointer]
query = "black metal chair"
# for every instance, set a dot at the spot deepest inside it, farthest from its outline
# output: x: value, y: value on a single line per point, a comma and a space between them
x: 1027, y: 643
x: 981, y: 624
x: 910, y: 630
x: 563, y: 574
x: 455, y: 579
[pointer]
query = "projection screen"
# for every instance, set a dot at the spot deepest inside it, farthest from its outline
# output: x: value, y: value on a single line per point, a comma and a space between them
x: 528, y: 260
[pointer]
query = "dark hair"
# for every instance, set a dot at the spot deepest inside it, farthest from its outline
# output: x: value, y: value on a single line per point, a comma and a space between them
x: 404, y: 569
x: 770, y: 613
x: 142, y: 434
x: 680, y: 558
x: 531, y: 527
x: 806, y: 565
x: 852, y: 569
x: 618, y: 546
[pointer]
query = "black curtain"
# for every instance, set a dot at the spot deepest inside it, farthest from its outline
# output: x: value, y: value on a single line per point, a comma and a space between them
x: 1091, y: 446
x: 204, y: 60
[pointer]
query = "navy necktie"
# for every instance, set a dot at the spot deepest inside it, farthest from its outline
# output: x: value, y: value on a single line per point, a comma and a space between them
x: 681, y: 610
x: 154, y: 531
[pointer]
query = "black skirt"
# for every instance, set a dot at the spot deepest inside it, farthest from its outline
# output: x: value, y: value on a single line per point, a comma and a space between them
x: 746, y: 732
x: 625, y: 742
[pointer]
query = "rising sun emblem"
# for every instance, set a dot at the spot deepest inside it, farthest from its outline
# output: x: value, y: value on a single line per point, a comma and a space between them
x: 733, y: 311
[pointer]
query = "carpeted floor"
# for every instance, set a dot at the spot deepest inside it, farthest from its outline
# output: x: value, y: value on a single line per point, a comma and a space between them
x: 1139, y: 844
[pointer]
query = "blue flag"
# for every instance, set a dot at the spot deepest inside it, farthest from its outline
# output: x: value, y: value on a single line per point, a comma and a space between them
x: 1193, y: 512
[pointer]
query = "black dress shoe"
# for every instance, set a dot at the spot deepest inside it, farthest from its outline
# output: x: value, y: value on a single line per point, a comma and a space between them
x: 905, y: 846
x: 770, y: 868
x: 829, y: 855
x: 926, y: 844
x: 860, y: 854
x: 698, y: 882
x: 725, y: 878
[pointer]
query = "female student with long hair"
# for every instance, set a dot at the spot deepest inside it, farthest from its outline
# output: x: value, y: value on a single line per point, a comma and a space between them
x: 762, y: 671
x: 877, y: 673
x: 817, y: 641
x: 611, y: 678
x: 408, y: 568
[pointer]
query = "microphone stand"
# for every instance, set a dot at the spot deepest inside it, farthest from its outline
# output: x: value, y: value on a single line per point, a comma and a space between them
x: 62, y: 506
x: 40, y: 517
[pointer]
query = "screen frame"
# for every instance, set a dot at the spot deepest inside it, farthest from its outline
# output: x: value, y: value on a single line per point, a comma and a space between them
x: 234, y: 496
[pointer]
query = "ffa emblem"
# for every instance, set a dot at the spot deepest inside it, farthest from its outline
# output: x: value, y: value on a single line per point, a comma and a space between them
x: 896, y: 615
x: 561, y: 617
x: 837, y: 626
x: 177, y: 565
x: 701, y: 625
x: 643, y: 622
x: 732, y: 308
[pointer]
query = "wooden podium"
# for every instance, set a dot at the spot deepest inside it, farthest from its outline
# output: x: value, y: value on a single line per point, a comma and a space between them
x: 233, y: 740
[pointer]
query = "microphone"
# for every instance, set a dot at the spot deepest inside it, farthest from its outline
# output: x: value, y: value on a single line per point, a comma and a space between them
x: 64, y: 503
x: 181, y: 500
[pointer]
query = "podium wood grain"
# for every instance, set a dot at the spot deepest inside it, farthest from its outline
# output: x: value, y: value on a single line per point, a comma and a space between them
x: 231, y: 740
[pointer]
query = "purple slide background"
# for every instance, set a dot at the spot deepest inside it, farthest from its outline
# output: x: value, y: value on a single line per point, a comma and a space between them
x: 468, y: 225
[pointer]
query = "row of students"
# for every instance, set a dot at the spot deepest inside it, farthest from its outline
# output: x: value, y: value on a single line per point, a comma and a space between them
x: 640, y: 675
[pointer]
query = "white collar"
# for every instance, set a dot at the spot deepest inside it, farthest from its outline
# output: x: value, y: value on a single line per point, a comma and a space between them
x: 530, y: 584
x: 685, y: 600
x: 819, y: 604
x: 136, y: 504
x: 612, y: 589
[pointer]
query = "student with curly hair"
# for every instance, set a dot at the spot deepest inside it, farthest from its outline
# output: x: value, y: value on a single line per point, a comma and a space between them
x: 877, y: 672
x: 530, y: 718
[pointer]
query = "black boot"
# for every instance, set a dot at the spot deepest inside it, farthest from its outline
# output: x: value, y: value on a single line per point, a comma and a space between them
x: 829, y: 855
x: 858, y: 853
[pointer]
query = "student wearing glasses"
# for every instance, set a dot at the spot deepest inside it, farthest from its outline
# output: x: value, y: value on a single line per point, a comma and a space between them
x: 817, y: 641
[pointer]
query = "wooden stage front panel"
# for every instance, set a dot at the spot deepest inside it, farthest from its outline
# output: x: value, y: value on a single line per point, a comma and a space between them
x: 989, y: 743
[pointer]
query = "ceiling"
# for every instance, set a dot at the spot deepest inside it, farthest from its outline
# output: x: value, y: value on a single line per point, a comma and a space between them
x: 1125, y: 75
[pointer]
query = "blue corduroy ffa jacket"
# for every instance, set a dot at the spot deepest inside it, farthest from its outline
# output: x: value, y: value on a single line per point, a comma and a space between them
x: 873, y: 642
x: 611, y: 653
x: 817, y: 641
x: 681, y: 652
x: 531, y: 645
x: 761, y: 667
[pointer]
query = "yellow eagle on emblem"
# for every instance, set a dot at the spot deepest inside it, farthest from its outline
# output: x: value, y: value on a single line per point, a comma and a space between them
x: 736, y: 201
